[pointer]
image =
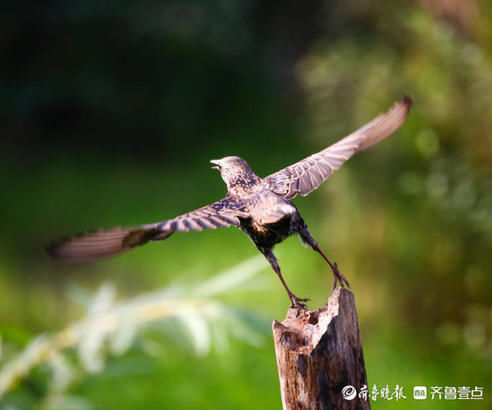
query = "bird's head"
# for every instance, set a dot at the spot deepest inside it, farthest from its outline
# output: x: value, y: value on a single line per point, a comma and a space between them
x: 235, y: 172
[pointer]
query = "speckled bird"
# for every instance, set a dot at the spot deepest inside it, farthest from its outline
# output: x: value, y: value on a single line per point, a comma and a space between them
x: 260, y: 207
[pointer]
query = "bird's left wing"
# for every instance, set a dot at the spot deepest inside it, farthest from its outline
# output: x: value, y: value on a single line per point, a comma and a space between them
x: 105, y: 243
x: 306, y: 175
x: 223, y: 213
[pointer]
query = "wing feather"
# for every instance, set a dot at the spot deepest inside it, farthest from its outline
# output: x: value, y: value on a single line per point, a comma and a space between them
x: 102, y: 243
x: 105, y: 243
x: 308, y: 174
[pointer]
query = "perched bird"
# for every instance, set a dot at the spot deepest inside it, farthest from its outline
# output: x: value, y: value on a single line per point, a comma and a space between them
x: 260, y: 207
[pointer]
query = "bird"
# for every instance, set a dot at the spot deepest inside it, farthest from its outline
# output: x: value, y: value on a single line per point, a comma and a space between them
x: 260, y: 207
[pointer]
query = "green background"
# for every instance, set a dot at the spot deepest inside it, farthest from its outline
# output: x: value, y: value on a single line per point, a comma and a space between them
x: 110, y: 112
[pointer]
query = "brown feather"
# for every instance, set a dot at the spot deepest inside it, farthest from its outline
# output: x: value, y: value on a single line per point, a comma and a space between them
x: 306, y: 175
x: 105, y: 243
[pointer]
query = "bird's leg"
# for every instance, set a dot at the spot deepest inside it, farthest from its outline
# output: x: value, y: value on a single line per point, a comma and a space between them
x: 296, y: 302
x: 337, y: 276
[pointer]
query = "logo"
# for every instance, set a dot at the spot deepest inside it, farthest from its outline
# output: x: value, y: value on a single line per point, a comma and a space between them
x: 349, y: 392
x: 396, y: 393
x: 419, y: 392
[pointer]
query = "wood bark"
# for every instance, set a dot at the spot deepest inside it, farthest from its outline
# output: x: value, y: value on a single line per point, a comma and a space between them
x: 319, y: 353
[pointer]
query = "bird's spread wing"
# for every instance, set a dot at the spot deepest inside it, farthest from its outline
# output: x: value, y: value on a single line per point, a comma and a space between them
x: 222, y: 213
x: 110, y: 242
x: 306, y: 175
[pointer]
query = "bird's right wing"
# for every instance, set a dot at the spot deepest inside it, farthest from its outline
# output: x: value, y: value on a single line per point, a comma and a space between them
x: 105, y: 243
x: 306, y: 175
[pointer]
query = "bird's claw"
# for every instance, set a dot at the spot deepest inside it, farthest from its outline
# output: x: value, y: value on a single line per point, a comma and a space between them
x: 296, y: 302
x: 338, y: 277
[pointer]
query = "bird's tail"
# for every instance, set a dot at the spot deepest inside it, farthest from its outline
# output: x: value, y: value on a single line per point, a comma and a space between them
x: 91, y: 246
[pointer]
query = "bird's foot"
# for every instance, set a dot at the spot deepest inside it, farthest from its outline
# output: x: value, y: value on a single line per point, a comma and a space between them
x: 296, y: 302
x: 338, y: 277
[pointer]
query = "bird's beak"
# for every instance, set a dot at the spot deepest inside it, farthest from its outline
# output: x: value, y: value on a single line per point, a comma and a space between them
x: 216, y: 162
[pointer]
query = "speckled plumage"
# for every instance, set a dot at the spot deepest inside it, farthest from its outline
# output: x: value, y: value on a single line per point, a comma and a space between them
x: 261, y: 208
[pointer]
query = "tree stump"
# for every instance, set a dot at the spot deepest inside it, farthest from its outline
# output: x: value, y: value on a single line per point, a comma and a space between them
x: 319, y: 353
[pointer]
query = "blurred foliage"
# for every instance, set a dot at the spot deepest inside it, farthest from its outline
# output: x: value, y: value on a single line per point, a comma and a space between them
x: 110, y: 111
x: 182, y: 313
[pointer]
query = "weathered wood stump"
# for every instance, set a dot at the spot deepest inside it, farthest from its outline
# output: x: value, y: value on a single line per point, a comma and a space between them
x: 319, y: 353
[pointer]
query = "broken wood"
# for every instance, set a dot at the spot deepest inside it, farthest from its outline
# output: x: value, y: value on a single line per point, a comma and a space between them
x: 319, y: 353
